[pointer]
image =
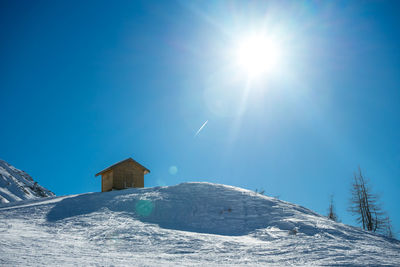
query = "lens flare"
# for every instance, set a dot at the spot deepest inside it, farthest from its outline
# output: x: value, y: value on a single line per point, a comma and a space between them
x: 173, y: 170
x: 144, y: 207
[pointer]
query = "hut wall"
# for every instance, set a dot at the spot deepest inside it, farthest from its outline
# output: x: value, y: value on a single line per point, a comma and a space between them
x: 107, y: 181
x: 128, y: 174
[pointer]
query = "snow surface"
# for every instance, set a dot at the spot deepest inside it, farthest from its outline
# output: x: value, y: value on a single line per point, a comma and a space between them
x: 185, y: 225
x: 17, y: 185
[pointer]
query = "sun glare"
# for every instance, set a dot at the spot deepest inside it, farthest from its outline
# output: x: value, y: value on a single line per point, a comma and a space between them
x: 257, y: 55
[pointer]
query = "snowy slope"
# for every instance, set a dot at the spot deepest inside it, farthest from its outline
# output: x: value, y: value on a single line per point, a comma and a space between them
x: 187, y: 224
x: 16, y: 185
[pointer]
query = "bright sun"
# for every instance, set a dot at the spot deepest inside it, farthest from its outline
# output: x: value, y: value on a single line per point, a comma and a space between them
x: 258, y: 55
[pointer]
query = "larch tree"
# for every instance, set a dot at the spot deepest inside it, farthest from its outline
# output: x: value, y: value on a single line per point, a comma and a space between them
x: 389, y: 229
x: 331, y: 211
x: 365, y: 206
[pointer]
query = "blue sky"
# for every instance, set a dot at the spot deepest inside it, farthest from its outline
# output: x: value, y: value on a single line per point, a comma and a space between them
x: 85, y: 84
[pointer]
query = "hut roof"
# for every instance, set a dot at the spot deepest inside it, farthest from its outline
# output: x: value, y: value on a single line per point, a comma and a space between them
x: 125, y: 160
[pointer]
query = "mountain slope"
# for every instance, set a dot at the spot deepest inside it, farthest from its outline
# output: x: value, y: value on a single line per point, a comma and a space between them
x: 16, y: 185
x: 188, y: 224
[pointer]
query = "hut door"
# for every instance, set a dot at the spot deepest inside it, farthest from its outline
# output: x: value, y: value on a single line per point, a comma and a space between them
x: 128, y: 181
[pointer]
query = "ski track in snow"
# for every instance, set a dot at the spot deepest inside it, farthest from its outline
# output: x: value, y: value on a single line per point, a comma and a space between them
x: 185, y: 225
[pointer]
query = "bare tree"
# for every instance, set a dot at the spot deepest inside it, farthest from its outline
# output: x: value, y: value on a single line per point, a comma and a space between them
x: 365, y: 205
x: 261, y: 191
x: 389, y: 229
x: 331, y: 211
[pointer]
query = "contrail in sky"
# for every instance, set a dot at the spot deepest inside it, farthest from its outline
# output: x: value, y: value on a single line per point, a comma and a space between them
x: 201, y: 128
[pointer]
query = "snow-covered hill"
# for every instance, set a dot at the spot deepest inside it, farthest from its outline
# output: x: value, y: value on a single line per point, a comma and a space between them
x: 183, y: 225
x: 16, y: 185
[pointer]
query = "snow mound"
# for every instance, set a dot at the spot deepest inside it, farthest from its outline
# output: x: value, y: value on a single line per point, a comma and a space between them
x: 17, y: 185
x: 196, y: 207
x: 204, y: 208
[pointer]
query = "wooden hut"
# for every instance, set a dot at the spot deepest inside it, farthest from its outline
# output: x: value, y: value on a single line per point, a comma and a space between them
x: 124, y: 174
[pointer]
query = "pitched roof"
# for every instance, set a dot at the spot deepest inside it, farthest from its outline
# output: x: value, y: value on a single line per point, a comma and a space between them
x: 118, y: 163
